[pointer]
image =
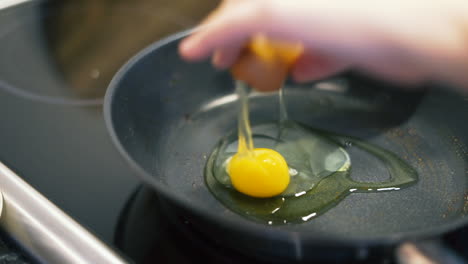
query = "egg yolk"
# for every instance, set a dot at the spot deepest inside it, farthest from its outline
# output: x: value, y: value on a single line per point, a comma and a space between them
x: 261, y: 173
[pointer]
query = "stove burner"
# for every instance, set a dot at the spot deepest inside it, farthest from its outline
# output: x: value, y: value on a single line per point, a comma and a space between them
x: 148, y: 234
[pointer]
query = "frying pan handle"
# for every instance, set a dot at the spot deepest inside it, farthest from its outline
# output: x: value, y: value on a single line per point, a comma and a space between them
x: 427, y: 252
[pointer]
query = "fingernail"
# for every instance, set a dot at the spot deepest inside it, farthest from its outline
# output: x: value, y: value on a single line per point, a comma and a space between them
x: 186, y: 46
x: 220, y: 65
x: 217, y: 63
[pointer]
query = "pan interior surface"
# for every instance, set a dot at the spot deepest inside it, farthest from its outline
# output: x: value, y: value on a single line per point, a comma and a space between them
x: 168, y: 115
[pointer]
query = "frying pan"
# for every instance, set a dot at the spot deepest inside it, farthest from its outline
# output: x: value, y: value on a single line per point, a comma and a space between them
x: 165, y: 116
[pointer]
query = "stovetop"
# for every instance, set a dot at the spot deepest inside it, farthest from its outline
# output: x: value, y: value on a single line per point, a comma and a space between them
x: 57, y: 58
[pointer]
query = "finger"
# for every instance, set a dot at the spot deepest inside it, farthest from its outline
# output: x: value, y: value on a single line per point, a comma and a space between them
x: 313, y: 67
x: 231, y: 25
x: 224, y: 58
x: 407, y: 76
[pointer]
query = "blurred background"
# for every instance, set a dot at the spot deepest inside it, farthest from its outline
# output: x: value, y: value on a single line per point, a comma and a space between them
x: 89, y: 40
x: 56, y: 60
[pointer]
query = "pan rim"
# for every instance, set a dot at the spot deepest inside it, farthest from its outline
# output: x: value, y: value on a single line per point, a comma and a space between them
x: 259, y: 229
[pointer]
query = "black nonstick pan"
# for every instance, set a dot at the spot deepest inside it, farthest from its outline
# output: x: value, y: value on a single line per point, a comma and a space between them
x: 166, y: 115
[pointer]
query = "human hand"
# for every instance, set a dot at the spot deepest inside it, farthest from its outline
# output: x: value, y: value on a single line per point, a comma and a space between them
x: 406, y: 41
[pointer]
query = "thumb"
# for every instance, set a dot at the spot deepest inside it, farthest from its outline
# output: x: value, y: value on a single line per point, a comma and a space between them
x: 312, y: 66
